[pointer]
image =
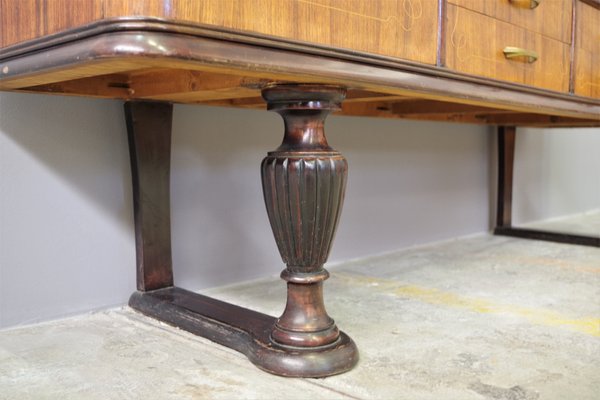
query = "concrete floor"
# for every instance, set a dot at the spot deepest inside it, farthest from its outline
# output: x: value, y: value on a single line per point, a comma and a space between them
x: 478, y: 318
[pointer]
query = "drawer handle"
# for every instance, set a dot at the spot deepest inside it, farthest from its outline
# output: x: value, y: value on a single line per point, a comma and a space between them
x: 532, y: 3
x: 514, y: 52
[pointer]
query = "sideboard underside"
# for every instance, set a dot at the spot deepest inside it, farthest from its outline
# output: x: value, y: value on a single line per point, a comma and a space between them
x: 163, y: 61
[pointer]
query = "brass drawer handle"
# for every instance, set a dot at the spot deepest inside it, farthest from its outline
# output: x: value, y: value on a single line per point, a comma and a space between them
x: 532, y: 3
x: 514, y: 52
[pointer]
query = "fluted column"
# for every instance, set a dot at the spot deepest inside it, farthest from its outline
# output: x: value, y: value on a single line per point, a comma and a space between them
x: 304, y: 181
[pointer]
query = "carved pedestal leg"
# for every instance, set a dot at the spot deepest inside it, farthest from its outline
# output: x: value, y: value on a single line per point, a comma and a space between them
x: 304, y: 182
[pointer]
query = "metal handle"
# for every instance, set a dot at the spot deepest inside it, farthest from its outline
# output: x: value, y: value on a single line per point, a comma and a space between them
x: 532, y: 3
x: 514, y: 52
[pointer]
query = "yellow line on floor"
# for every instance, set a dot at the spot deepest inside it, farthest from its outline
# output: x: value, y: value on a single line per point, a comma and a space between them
x: 538, y: 316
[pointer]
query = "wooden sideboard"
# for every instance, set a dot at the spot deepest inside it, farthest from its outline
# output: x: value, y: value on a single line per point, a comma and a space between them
x: 501, y: 62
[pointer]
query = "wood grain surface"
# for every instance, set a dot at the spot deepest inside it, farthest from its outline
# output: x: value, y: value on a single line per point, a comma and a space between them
x: 551, y: 18
x: 398, y: 28
x: 587, y: 51
x: 475, y: 43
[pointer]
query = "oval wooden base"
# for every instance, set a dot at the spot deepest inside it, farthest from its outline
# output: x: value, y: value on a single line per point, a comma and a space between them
x: 246, y: 331
x: 303, y: 363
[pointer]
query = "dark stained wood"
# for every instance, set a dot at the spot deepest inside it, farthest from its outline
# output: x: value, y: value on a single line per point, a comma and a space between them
x: 557, y: 237
x: 321, y: 349
x: 149, y: 132
x: 506, y: 156
x: 304, y: 182
x: 243, y: 330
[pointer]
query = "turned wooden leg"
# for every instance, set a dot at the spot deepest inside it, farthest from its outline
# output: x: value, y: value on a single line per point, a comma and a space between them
x: 304, y: 181
x: 304, y: 342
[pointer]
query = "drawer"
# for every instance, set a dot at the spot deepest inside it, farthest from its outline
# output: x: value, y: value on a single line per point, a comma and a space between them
x: 551, y: 18
x: 587, y: 51
x: 475, y: 43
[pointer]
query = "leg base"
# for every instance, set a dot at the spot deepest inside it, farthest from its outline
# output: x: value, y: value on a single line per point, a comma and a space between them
x: 245, y: 331
x: 548, y: 236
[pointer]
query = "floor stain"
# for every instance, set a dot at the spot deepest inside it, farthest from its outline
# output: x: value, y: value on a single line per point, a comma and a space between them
x: 538, y: 316
x: 498, y: 393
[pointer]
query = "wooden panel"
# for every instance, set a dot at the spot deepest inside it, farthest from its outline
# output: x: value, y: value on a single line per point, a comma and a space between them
x: 27, y: 19
x: 398, y: 28
x: 587, y: 51
x: 551, y: 18
x: 475, y: 43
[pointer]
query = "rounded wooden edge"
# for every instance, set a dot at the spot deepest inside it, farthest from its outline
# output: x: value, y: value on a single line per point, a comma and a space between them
x: 306, y: 363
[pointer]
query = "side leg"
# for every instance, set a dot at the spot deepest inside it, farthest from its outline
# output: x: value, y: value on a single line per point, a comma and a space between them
x: 149, y: 134
x: 506, y: 157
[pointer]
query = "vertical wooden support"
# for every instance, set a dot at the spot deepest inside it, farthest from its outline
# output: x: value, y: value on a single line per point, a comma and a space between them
x: 506, y: 157
x: 149, y: 133
x: 305, y: 179
x: 304, y: 182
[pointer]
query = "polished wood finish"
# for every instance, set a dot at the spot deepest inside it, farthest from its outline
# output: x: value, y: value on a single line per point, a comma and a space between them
x: 243, y: 330
x: 475, y: 43
x: 551, y: 18
x: 304, y: 182
x: 389, y: 56
x: 587, y: 50
x: 506, y: 157
x: 304, y: 341
x: 504, y: 226
x: 149, y: 132
x: 357, y: 25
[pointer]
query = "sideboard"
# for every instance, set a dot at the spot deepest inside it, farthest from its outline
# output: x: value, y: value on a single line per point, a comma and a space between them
x: 507, y: 63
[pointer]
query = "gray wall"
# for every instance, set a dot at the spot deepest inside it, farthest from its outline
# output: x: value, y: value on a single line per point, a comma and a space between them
x: 66, y: 231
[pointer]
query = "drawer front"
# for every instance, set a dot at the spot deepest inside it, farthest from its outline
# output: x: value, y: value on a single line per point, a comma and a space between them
x: 398, y: 28
x: 475, y: 43
x: 551, y: 18
x: 587, y: 51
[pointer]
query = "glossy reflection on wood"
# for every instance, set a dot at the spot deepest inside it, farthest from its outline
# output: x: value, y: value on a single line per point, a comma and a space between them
x: 304, y: 181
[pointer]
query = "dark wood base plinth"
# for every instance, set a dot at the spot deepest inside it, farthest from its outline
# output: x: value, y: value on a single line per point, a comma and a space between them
x: 548, y: 236
x: 245, y: 331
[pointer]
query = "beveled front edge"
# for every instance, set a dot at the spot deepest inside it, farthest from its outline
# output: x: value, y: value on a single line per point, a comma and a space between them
x: 125, y: 45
